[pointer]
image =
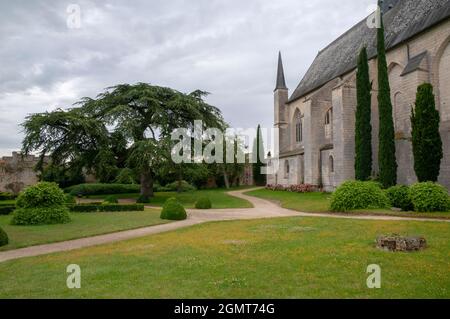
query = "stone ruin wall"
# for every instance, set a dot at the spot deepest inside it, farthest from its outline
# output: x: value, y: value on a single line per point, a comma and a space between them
x: 17, y: 172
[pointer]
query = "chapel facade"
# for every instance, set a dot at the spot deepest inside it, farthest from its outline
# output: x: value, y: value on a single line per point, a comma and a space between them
x: 317, y: 121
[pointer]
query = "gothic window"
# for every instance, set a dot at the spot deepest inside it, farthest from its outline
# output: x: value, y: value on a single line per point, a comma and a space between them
x: 298, y: 127
x: 328, y: 123
x: 331, y: 164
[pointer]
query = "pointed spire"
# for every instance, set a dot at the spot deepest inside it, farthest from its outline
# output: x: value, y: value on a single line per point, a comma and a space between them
x: 281, y: 83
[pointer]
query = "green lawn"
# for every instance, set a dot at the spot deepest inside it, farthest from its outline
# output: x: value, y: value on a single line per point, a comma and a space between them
x: 320, y: 202
x: 276, y: 258
x: 218, y: 197
x: 82, y: 225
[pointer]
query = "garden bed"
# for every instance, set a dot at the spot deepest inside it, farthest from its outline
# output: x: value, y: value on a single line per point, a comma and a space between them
x: 99, y: 207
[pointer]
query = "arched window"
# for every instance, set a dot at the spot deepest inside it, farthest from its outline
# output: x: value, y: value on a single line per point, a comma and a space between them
x: 331, y: 164
x: 328, y: 122
x: 298, y: 127
x: 328, y: 117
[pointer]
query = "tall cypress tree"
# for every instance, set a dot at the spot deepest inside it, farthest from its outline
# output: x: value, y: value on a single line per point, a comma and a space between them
x: 426, y: 140
x: 258, y: 148
x: 386, y: 135
x: 363, y: 133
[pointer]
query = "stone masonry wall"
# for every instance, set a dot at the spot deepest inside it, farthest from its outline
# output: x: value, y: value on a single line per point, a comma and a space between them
x: 16, y: 172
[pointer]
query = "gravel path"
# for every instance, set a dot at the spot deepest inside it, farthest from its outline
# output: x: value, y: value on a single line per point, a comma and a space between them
x: 261, y: 209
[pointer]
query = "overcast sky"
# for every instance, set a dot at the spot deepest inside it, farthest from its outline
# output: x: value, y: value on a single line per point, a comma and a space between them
x: 228, y: 48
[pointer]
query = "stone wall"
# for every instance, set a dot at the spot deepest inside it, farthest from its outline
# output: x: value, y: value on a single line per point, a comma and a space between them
x: 17, y: 172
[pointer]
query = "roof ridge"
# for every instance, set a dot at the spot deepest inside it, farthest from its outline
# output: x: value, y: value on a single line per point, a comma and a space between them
x: 405, y: 19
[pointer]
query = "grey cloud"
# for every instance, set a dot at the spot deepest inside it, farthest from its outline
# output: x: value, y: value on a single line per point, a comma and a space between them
x: 228, y: 48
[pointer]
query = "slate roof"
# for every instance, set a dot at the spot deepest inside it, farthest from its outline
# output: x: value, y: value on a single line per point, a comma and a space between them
x: 281, y: 82
x: 405, y: 19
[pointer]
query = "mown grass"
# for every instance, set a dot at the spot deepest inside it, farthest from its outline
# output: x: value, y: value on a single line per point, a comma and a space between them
x: 82, y: 225
x: 276, y: 258
x: 219, y: 198
x: 320, y: 203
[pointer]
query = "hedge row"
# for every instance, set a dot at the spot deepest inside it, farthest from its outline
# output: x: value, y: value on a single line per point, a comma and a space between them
x: 7, y: 204
x: 6, y: 196
x: 108, y: 189
x: 86, y: 208
x: 102, y: 189
x: 6, y: 210
x: 106, y: 208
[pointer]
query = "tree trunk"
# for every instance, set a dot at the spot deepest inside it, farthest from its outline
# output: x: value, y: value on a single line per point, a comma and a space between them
x: 147, y: 184
x: 225, y: 177
x: 180, y: 178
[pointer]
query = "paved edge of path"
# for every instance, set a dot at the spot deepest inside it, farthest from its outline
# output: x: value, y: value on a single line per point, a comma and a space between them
x: 262, y: 208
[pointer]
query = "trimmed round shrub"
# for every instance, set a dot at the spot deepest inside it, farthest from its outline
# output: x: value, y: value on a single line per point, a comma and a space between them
x: 42, y: 204
x: 203, y: 203
x: 3, y: 238
x: 43, y: 194
x: 173, y: 210
x: 41, y: 216
x: 111, y: 200
x: 400, y: 197
x: 358, y: 195
x: 143, y: 199
x: 429, y: 197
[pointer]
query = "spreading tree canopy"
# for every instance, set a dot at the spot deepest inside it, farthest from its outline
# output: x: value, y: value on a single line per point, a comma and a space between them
x: 363, y: 134
x: 139, y: 116
x: 426, y: 140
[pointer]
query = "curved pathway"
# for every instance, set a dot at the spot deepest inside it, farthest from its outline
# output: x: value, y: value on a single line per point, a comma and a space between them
x: 261, y: 209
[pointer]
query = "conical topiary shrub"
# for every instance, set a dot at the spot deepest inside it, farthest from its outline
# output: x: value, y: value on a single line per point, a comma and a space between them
x: 3, y: 238
x: 173, y: 210
x: 203, y: 203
